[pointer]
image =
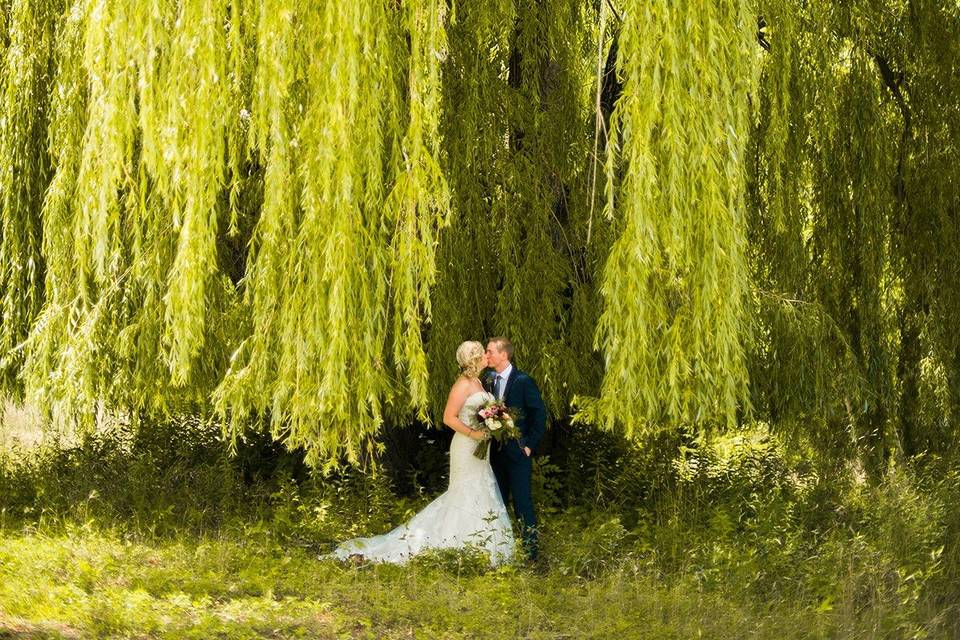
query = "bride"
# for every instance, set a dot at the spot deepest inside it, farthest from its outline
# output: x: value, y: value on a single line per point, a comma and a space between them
x: 471, y: 511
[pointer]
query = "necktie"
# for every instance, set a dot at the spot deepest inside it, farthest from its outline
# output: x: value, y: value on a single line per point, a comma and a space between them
x: 498, y: 387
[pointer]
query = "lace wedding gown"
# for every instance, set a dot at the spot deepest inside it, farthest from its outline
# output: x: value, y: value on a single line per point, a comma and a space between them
x: 469, y: 512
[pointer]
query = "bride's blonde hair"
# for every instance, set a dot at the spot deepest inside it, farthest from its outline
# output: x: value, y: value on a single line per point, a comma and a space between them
x: 470, y: 358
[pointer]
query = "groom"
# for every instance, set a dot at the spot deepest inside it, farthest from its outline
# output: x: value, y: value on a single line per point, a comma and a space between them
x: 511, y: 461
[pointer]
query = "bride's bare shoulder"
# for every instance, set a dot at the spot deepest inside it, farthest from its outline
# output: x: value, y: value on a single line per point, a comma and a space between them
x: 461, y: 385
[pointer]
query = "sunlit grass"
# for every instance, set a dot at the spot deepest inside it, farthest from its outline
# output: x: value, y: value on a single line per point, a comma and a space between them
x: 85, y: 582
x: 78, y: 581
x: 159, y: 535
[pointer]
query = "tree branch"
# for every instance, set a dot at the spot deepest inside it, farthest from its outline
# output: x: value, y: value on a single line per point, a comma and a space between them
x: 894, y: 82
x: 762, y: 33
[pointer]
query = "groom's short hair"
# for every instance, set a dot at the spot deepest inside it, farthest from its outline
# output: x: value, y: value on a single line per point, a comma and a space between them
x: 503, y: 344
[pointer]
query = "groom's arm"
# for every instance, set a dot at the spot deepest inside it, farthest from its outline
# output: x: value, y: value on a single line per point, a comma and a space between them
x: 536, y: 415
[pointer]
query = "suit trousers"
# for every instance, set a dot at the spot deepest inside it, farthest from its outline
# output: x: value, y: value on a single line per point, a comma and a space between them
x: 514, y: 472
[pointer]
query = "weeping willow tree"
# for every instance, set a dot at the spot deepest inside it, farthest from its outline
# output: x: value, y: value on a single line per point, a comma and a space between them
x: 287, y: 215
x: 854, y: 225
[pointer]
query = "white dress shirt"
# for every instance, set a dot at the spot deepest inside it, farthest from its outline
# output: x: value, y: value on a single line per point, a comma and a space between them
x: 504, y: 375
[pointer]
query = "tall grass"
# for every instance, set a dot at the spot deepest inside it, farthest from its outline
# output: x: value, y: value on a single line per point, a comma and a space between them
x: 159, y: 532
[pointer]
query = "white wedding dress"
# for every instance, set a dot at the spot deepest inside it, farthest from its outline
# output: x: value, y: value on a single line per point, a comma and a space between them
x: 469, y: 513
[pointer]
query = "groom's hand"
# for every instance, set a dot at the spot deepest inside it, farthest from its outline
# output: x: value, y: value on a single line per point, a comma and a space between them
x: 527, y: 451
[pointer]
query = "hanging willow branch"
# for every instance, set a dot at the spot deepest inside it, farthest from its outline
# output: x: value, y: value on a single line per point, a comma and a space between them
x: 420, y: 197
x: 844, y: 222
x: 316, y: 282
x: 197, y: 114
x: 25, y: 69
x: 675, y: 321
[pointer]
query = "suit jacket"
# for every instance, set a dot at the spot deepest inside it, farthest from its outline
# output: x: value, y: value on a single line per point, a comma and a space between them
x: 522, y: 394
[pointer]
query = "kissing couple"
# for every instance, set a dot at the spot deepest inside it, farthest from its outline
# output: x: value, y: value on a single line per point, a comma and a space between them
x: 472, y: 511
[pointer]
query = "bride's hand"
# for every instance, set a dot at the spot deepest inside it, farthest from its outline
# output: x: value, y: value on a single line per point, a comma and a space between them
x: 477, y: 434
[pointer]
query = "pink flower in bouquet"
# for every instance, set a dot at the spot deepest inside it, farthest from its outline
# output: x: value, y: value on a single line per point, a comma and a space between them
x: 496, y: 419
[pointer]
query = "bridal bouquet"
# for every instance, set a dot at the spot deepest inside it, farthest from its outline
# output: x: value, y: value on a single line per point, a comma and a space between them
x: 497, y: 420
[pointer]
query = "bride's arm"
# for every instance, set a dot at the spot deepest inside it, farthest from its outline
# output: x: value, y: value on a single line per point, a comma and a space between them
x: 458, y: 394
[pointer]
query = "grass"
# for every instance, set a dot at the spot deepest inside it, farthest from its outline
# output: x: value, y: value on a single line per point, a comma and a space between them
x: 88, y: 583
x: 72, y: 580
x: 162, y: 536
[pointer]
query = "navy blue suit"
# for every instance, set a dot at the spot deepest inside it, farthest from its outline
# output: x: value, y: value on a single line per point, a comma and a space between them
x: 512, y: 467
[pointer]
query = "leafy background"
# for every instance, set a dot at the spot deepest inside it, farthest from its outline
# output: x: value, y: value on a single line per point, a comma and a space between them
x: 240, y: 242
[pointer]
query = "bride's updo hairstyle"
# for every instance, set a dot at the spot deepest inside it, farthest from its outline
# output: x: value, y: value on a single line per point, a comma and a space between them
x: 470, y: 358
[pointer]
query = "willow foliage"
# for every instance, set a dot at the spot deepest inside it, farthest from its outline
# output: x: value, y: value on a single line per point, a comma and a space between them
x: 114, y: 275
x: 516, y: 140
x: 26, y: 67
x: 853, y: 230
x: 316, y: 277
x: 290, y: 214
x: 420, y: 199
x: 676, y: 281
x: 199, y: 61
x: 474, y: 146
